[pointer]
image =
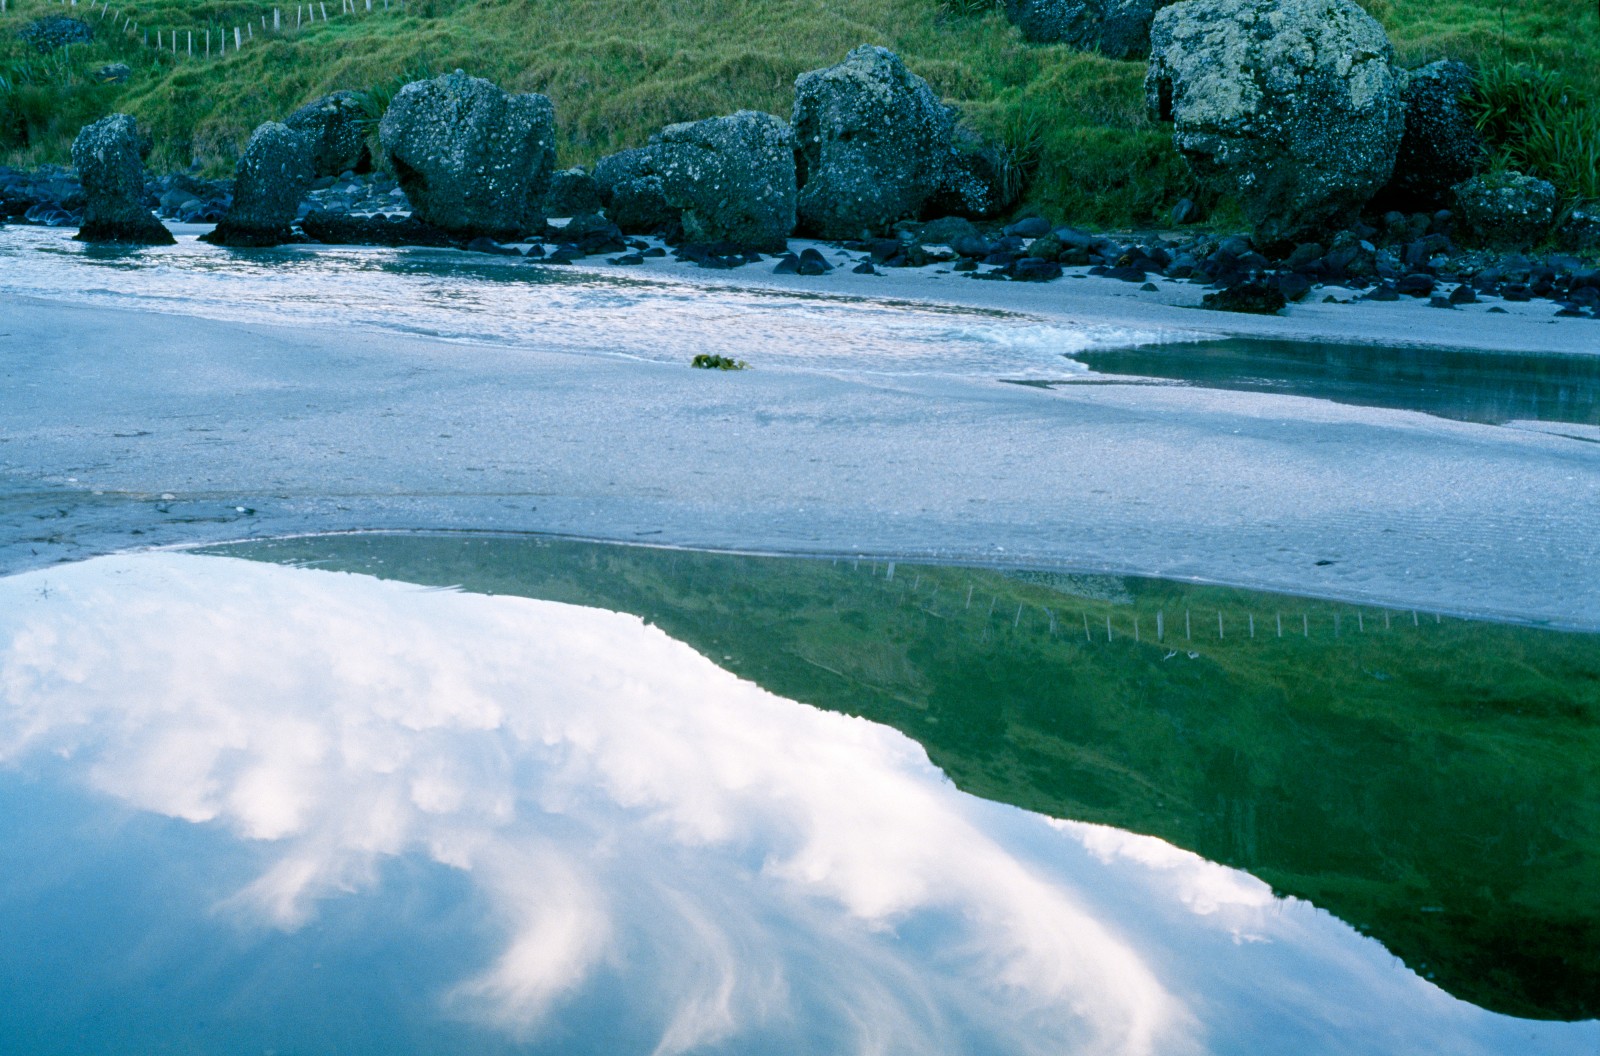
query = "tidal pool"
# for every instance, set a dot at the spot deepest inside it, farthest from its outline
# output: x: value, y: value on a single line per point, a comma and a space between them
x: 434, y: 795
x: 1490, y: 387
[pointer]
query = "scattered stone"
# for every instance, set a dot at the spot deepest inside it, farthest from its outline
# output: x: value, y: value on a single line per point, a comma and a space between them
x: 872, y: 144
x: 1255, y: 297
x: 1384, y: 292
x: 1415, y: 285
x: 56, y: 31
x: 336, y: 127
x: 1032, y: 269
x: 342, y: 229
x: 1118, y: 29
x: 273, y: 174
x: 472, y: 159
x: 1291, y: 106
x: 489, y: 245
x: 1508, y: 208
x: 1150, y: 287
x: 1294, y: 287
x: 573, y: 192
x: 107, y: 157
x: 1463, y: 294
x: 1440, y: 302
x: 113, y: 73
x: 1441, y: 146
x: 864, y: 268
x: 729, y: 178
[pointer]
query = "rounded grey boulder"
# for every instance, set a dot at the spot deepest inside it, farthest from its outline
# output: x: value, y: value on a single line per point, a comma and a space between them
x: 1291, y: 106
x: 573, y: 192
x: 1119, y: 29
x: 56, y: 31
x: 1507, y: 209
x: 729, y: 178
x: 473, y: 160
x: 107, y: 157
x: 273, y: 175
x: 1441, y: 146
x: 872, y: 142
x: 336, y: 126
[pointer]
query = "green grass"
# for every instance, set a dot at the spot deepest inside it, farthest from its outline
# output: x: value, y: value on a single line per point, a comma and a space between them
x: 1434, y: 784
x: 620, y: 69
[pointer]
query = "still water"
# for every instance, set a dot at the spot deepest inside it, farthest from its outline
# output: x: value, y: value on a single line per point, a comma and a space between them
x: 440, y: 795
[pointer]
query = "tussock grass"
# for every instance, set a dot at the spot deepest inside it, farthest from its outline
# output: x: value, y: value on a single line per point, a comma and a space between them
x: 618, y: 70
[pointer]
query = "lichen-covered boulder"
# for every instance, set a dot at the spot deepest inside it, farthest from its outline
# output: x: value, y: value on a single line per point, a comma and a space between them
x: 472, y: 159
x: 1291, y: 106
x: 633, y: 195
x: 872, y: 143
x: 272, y: 176
x: 56, y: 31
x: 1506, y: 209
x: 109, y: 164
x: 573, y: 192
x: 336, y: 126
x: 1441, y: 146
x: 729, y: 178
x: 1119, y: 29
x: 977, y: 182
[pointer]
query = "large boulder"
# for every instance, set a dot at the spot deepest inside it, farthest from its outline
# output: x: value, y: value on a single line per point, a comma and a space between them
x: 472, y: 159
x: 56, y: 31
x: 729, y: 178
x: 573, y: 192
x: 1119, y: 29
x: 1441, y: 146
x: 108, y: 160
x: 872, y: 144
x: 336, y: 126
x: 978, y: 180
x: 1507, y: 209
x: 634, y: 197
x: 1292, y: 106
x: 272, y: 177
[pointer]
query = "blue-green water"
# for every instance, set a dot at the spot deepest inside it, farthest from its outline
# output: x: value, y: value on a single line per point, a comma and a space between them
x: 250, y: 807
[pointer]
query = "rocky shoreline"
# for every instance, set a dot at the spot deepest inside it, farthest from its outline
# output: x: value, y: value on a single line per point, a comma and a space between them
x: 1370, y: 187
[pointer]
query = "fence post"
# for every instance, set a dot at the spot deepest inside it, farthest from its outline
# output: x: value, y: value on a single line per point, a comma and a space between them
x: 238, y: 40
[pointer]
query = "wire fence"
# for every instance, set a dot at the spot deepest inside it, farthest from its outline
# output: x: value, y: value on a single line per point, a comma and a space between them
x: 217, y: 38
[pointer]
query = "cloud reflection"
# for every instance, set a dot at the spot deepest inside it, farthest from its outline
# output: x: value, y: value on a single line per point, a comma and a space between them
x: 741, y: 866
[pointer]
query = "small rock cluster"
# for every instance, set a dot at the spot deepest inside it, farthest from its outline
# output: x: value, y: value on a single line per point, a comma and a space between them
x: 56, y: 31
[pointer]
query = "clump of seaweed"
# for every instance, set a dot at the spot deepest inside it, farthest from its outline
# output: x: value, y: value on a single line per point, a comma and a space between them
x: 715, y: 362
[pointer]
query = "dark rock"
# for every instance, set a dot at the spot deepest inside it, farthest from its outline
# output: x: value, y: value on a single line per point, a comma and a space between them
x: 729, y: 178
x: 341, y: 229
x: 1032, y: 269
x: 1507, y: 209
x: 1119, y: 29
x: 1126, y: 274
x: 472, y: 159
x: 965, y: 264
x: 113, y: 73
x: 1255, y: 297
x: 1304, y: 255
x: 489, y: 245
x: 1294, y: 287
x: 864, y: 268
x: 273, y: 174
x: 1580, y: 231
x: 1150, y: 287
x: 1029, y: 227
x: 653, y: 251
x: 106, y: 155
x: 1291, y: 106
x: 1382, y: 292
x: 872, y: 144
x: 640, y: 206
x: 1497, y: 310
x: 56, y: 31
x: 1463, y: 294
x: 814, y: 259
x: 627, y: 259
x: 1440, y: 302
x: 976, y: 181
x: 1047, y: 248
x: 1415, y: 285
x: 336, y: 127
x: 624, y: 166
x: 1186, y: 212
x: 789, y: 265
x: 948, y: 231
x: 573, y: 192
x: 1441, y: 146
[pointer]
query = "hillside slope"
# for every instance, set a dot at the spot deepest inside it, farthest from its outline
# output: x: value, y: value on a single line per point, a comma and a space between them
x: 620, y: 69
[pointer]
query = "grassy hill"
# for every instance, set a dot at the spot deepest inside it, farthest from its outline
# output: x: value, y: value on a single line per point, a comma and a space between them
x: 620, y: 69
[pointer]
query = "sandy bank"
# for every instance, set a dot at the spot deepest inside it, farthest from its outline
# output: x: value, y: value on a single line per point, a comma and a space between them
x: 131, y: 428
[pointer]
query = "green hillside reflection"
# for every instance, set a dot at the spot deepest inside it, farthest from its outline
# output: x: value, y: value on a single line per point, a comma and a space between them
x: 1433, y: 782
